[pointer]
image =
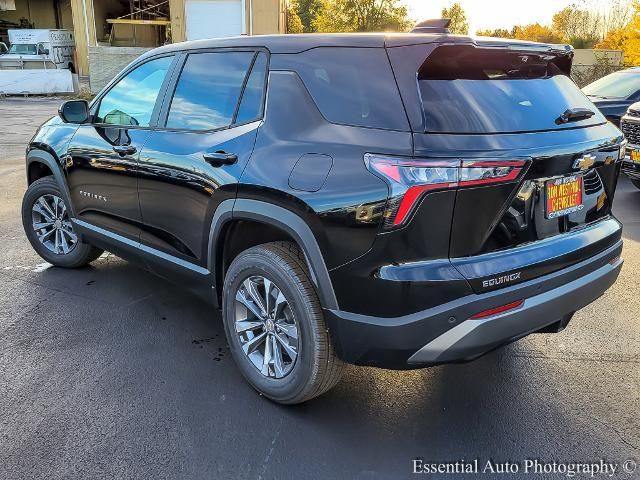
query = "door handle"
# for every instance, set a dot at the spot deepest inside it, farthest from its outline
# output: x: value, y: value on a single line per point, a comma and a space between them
x: 218, y: 159
x: 123, y: 150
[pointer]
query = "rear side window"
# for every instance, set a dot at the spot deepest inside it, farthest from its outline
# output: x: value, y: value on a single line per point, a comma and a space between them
x: 352, y: 86
x: 472, y: 90
x: 252, y: 96
x: 208, y: 90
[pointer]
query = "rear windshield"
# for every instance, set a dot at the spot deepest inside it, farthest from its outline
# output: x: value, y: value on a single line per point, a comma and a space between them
x: 471, y: 90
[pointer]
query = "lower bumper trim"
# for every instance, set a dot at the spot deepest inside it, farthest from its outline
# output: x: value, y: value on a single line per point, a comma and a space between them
x: 472, y: 338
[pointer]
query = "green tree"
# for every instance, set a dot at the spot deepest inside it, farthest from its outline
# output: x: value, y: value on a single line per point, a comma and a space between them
x: 362, y: 16
x: 294, y: 24
x: 309, y: 11
x: 459, y: 23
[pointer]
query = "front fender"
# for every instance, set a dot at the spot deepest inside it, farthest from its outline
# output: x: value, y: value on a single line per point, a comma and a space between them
x: 54, y: 165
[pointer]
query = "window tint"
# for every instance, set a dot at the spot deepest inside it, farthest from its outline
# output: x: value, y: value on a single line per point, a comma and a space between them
x: 208, y: 90
x: 251, y: 104
x: 352, y: 86
x: 131, y: 100
x: 472, y: 90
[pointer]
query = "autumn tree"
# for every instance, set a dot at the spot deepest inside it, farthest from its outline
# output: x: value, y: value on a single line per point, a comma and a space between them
x: 294, y: 24
x: 497, y: 32
x: 459, y: 23
x: 362, y: 16
x: 580, y: 26
x: 537, y: 33
x: 309, y: 11
x: 626, y: 38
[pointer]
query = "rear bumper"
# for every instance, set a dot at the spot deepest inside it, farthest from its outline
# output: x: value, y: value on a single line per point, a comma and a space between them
x: 444, y: 334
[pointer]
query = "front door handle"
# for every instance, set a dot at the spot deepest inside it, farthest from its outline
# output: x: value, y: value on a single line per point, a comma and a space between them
x: 218, y: 159
x: 123, y: 150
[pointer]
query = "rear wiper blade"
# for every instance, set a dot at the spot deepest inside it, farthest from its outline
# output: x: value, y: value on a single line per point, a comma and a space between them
x: 574, y: 114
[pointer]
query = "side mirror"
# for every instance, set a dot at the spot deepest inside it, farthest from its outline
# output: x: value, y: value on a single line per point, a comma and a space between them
x: 74, y: 111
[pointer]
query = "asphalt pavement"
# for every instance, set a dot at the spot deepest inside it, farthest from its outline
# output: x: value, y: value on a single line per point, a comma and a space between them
x: 110, y: 372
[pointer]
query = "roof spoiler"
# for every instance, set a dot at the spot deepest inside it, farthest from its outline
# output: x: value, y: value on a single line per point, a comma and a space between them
x: 436, y: 25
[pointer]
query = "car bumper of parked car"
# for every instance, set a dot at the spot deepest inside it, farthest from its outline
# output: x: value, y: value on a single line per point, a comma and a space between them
x: 629, y: 167
x: 412, y: 341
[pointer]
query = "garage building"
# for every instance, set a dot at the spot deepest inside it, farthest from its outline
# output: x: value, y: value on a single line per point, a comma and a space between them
x: 111, y: 33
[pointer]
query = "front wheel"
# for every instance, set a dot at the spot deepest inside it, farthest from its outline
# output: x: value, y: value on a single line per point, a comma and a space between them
x: 275, y: 326
x: 45, y: 219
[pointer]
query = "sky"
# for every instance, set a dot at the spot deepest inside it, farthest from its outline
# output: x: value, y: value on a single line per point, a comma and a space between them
x: 484, y: 14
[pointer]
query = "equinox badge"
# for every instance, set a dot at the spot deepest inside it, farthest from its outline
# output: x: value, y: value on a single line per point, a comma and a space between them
x: 494, y: 282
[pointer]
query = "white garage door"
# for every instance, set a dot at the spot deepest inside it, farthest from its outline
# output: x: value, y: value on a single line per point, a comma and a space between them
x: 214, y: 18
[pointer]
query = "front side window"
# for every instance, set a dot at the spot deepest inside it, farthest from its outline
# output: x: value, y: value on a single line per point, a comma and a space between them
x: 132, y: 99
x: 208, y: 90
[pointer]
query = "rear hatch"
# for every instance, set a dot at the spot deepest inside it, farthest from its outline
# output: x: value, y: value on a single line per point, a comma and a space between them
x: 539, y: 159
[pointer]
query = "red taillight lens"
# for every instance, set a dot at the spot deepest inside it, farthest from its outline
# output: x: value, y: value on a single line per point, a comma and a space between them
x: 410, y: 178
x: 497, y: 310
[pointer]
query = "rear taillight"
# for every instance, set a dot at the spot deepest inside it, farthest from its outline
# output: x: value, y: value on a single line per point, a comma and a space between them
x: 409, y: 179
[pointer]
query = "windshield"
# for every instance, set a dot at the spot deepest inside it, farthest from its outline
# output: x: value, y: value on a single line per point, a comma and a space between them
x: 24, y: 49
x: 616, y: 85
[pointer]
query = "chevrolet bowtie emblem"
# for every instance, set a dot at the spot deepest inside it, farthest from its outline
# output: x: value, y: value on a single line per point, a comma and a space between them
x: 585, y: 163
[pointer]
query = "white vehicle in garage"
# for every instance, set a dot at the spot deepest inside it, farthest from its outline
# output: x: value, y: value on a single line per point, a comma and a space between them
x: 39, y: 49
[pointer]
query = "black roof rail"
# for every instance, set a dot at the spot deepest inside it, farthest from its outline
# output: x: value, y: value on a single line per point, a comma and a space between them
x: 436, y: 25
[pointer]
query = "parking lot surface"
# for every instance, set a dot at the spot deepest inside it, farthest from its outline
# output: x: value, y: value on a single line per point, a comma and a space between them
x: 111, y: 372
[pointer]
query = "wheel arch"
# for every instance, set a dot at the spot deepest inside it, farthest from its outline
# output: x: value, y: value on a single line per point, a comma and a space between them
x: 40, y: 162
x: 275, y: 217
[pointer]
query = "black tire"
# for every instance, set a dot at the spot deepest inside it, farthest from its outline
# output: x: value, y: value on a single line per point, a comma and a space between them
x: 317, y: 369
x: 636, y: 183
x: 80, y: 255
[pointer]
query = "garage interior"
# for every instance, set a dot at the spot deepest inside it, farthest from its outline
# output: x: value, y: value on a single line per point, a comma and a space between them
x: 34, y: 14
x: 132, y: 23
x: 111, y: 33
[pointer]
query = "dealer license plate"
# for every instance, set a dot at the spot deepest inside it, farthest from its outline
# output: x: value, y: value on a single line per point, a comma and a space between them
x: 564, y: 196
x: 635, y: 156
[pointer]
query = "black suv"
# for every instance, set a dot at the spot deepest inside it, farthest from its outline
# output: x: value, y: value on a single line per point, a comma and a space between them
x: 396, y: 201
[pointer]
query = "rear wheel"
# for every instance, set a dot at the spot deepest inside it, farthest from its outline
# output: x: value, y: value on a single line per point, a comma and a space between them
x: 275, y: 326
x: 636, y: 183
x: 46, y: 221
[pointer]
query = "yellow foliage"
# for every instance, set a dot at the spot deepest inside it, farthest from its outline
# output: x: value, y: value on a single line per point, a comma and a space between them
x: 626, y: 39
x: 537, y: 33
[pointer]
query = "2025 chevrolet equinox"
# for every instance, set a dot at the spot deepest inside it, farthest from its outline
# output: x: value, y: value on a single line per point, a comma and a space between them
x: 396, y: 201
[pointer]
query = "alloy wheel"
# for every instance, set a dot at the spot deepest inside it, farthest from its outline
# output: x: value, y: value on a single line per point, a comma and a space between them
x: 266, y: 327
x: 52, y: 226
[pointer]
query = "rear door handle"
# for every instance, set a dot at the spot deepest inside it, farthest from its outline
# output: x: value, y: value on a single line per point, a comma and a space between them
x: 123, y: 150
x: 218, y: 159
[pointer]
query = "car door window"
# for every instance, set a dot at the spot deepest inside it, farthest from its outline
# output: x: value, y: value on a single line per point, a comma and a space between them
x: 131, y: 101
x: 208, y: 90
x: 252, y: 97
